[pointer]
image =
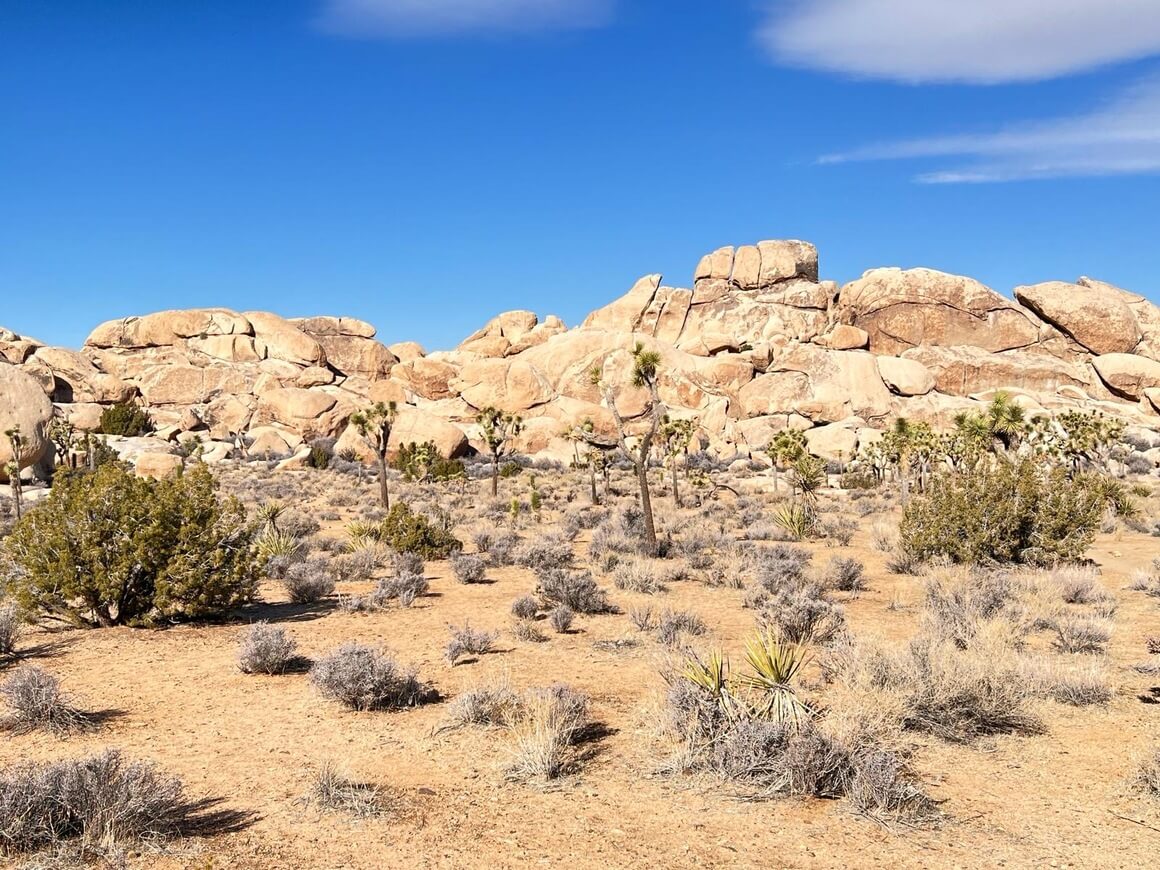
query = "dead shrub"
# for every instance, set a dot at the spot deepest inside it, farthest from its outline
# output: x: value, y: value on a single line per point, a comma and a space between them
x: 466, y: 641
x: 308, y: 582
x: 1082, y: 634
x: 845, y: 575
x: 527, y: 631
x: 10, y: 625
x: 102, y: 803
x: 561, y: 618
x: 36, y: 703
x: 266, y: 649
x: 468, y: 568
x: 673, y: 625
x: 364, y: 678
x: 1147, y: 776
x: 575, y: 589
x: 638, y: 575
x: 334, y: 791
x: 545, y: 730
x: 525, y: 607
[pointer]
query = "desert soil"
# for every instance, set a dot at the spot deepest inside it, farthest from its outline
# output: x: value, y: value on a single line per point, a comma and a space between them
x: 1054, y: 800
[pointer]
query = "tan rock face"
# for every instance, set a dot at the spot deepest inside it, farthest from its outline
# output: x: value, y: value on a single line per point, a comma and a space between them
x: 354, y: 355
x: 227, y: 348
x: 833, y: 441
x: 418, y: 427
x: 783, y: 260
x: 1146, y: 314
x: 511, y: 385
x: 964, y: 371
x: 427, y: 378
x: 316, y: 326
x: 158, y: 465
x: 76, y: 379
x: 1127, y: 374
x: 907, y: 377
x: 407, y: 351
x: 757, y: 344
x: 823, y: 385
x: 903, y: 309
x: 843, y: 337
x: 277, y: 338
x: 624, y: 315
x: 167, y: 328
x: 23, y: 405
x: 1097, y: 317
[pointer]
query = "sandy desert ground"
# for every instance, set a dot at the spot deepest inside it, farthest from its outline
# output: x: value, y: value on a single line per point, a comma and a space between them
x: 176, y: 696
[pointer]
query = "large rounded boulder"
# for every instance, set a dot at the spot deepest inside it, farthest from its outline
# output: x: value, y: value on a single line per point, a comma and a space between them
x: 23, y: 406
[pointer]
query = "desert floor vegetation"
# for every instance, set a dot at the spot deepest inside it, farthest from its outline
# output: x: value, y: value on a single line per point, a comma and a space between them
x: 459, y: 677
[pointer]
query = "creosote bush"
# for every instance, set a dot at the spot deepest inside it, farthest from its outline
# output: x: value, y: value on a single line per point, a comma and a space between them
x: 266, y: 649
x: 1006, y: 512
x: 408, y: 532
x: 364, y: 678
x: 110, y: 548
x: 127, y: 419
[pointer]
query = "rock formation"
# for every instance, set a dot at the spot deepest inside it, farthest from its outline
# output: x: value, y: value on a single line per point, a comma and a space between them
x: 758, y: 343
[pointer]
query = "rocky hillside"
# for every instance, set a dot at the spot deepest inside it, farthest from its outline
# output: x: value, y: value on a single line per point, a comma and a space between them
x: 757, y: 344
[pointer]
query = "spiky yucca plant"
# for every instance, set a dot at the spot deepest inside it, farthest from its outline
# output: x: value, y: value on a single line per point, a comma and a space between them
x: 795, y: 518
x: 274, y: 542
x: 774, y: 663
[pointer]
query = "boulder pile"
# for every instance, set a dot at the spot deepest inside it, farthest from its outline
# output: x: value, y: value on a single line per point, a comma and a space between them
x: 757, y: 344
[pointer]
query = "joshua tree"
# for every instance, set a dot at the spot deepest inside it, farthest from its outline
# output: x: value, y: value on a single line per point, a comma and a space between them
x: 675, y: 436
x: 375, y: 424
x: 786, y: 448
x: 644, y: 374
x: 64, y: 438
x: 594, y: 458
x: 16, y: 442
x: 498, y: 431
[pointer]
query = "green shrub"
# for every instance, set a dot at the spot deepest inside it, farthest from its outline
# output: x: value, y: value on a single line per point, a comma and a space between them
x: 125, y: 418
x: 423, y: 462
x: 109, y: 548
x: 1005, y: 513
x: 408, y: 532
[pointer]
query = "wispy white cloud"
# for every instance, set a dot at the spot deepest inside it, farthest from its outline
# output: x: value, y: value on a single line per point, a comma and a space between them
x: 970, y: 41
x: 1121, y: 137
x: 429, y: 18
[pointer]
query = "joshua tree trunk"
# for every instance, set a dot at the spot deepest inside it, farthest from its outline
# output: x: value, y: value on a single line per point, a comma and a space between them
x: 592, y: 481
x: 676, y: 493
x: 384, y: 493
x: 650, y: 532
x: 495, y: 475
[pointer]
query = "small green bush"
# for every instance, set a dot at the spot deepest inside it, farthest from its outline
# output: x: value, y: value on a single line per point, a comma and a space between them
x: 1005, y: 513
x: 127, y: 419
x: 423, y: 462
x: 408, y: 532
x: 110, y: 548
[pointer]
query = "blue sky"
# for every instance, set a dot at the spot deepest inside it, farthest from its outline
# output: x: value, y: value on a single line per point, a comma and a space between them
x: 425, y: 164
